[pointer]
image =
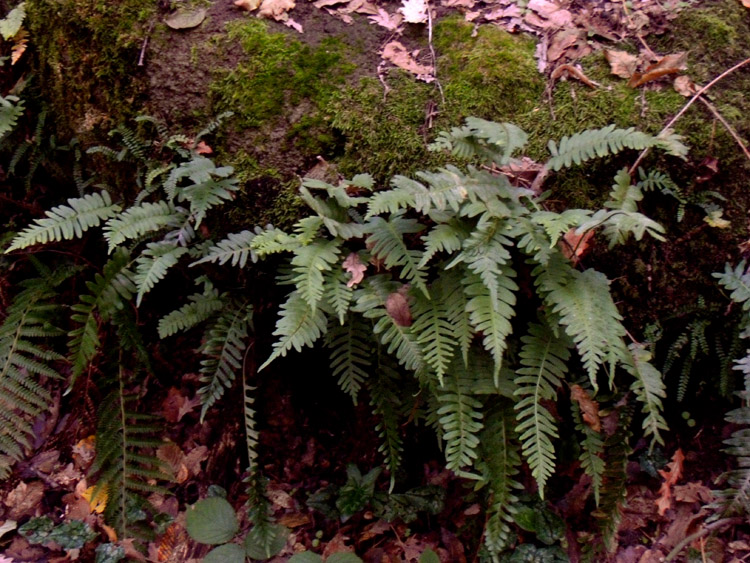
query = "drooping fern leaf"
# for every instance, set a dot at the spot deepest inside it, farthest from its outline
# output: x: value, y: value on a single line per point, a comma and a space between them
x: 152, y: 265
x: 139, y: 220
x: 65, y: 222
x: 434, y: 331
x: 235, y: 249
x: 592, y: 447
x: 351, y: 353
x: 649, y: 390
x: 25, y: 368
x: 493, y: 142
x: 386, y: 394
x: 225, y: 343
x: 200, y: 307
x: 309, y: 264
x: 543, y: 358
x: 11, y: 108
x: 388, y: 244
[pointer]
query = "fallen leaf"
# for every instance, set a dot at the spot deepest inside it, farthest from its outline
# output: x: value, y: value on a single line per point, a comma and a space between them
x: 693, y: 492
x: 97, y: 502
x: 668, y: 64
x: 552, y: 13
x: 566, y: 70
x: 186, y: 19
x: 294, y: 520
x: 468, y: 4
x: 685, y: 86
x: 398, y: 308
x: 714, y: 219
x: 279, y: 498
x: 512, y: 11
x: 176, y: 405
x: 375, y: 529
x: 574, y: 245
x: 746, y: 3
x: 355, y: 267
x: 111, y: 533
x: 589, y: 407
x: 248, y: 5
x: 337, y: 545
x: 560, y: 44
x: 386, y: 20
x: 397, y: 54
x: 621, y: 63
x: 203, y: 148
x: 671, y: 475
x: 414, y: 11
x: 295, y: 25
x: 24, y: 499
x: 276, y: 9
x: 20, y: 41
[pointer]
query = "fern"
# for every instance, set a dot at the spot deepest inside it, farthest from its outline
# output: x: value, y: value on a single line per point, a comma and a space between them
x: 649, y: 390
x: 592, y: 447
x: 434, y: 332
x: 251, y: 432
x: 226, y: 340
x: 66, y: 222
x: 596, y: 143
x: 26, y: 362
x: 350, y: 354
x: 199, y: 308
x: 236, y: 249
x: 152, y: 265
x: 11, y: 108
x: 492, y: 142
x: 309, y: 264
x: 460, y: 416
x: 386, y: 394
x: 543, y: 359
x: 139, y: 220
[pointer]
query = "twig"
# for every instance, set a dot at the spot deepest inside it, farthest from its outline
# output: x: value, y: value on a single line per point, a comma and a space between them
x: 432, y: 53
x: 700, y: 533
x: 690, y: 102
x: 637, y: 33
x: 726, y: 125
x: 142, y: 55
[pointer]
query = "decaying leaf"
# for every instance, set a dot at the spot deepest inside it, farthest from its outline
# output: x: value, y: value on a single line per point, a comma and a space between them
x: 20, y: 41
x: 693, y: 492
x: 24, y: 499
x: 414, y: 11
x: 186, y: 19
x: 671, y: 475
x: 176, y: 405
x: 746, y: 3
x: 668, y: 64
x: 621, y: 63
x: 574, y: 245
x: 97, y: 502
x: 552, y: 15
x: 355, y: 267
x: 396, y: 53
x: 685, y: 86
x: 589, y: 407
x: 568, y: 70
x: 398, y: 308
x: 386, y: 20
x: 295, y: 25
x: 276, y: 9
x: 715, y: 219
x: 248, y: 5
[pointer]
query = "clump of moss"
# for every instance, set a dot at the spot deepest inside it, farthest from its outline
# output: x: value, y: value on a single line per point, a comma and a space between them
x: 86, y: 57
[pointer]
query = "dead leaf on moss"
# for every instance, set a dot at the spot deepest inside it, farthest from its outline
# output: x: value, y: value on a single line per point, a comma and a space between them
x: 589, y: 407
x: 621, y: 63
x: 186, y: 19
x: 276, y: 9
x: 668, y: 64
x: 551, y: 14
x: 414, y: 11
x: 395, y: 53
x: 685, y: 86
x: 568, y: 70
x: 389, y: 21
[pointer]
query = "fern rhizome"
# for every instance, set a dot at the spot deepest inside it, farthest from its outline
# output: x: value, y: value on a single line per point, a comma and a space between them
x: 455, y: 285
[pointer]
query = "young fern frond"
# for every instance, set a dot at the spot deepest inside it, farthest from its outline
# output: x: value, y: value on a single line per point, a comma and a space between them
x: 460, y: 415
x: 25, y: 360
x: 351, y: 351
x: 66, y: 222
x: 309, y: 264
x: 251, y: 432
x: 235, y: 249
x: 596, y: 143
x: 142, y: 219
x: 543, y: 358
x: 590, y: 318
x: 648, y: 388
x: 443, y: 237
x: 337, y: 292
x: 492, y: 142
x: 225, y: 344
x: 501, y: 461
x: 386, y: 392
x: 200, y: 307
x: 152, y: 265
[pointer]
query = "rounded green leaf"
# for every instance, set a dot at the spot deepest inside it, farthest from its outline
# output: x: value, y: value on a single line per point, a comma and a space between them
x: 212, y: 521
x: 305, y: 557
x: 343, y: 557
x: 264, y: 546
x: 429, y: 556
x: 227, y: 553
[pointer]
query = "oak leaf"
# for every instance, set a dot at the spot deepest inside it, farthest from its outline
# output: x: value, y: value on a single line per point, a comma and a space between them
x: 355, y: 267
x: 397, y: 54
x: 389, y: 21
x: 671, y: 475
x: 621, y: 63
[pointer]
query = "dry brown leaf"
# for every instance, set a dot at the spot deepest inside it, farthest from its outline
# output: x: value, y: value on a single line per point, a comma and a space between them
x: 294, y: 24
x: 552, y: 14
x: 248, y: 5
x: 746, y: 3
x: 20, y: 41
x: 574, y: 245
x: 685, y: 86
x: 355, y: 267
x: 360, y: 7
x: 375, y: 529
x: 566, y: 70
x: 414, y: 11
x: 83, y: 452
x: 395, y: 53
x: 337, y: 545
x: 671, y: 475
x: 186, y: 19
x: 176, y: 405
x: 386, y: 20
x: 621, y: 63
x: 203, y: 148
x: 589, y: 407
x: 468, y: 4
x: 294, y: 520
x: 24, y: 499
x: 398, y: 308
x: 512, y: 11
x: 560, y: 44
x: 276, y: 9
x: 110, y: 531
x: 693, y: 492
x: 280, y: 498
x: 668, y: 64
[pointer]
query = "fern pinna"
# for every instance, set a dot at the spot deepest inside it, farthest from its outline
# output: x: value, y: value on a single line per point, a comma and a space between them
x: 432, y: 266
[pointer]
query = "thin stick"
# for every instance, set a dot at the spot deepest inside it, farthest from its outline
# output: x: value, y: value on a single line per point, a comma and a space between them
x: 142, y: 56
x: 432, y: 53
x: 690, y: 102
x: 701, y: 533
x: 726, y: 125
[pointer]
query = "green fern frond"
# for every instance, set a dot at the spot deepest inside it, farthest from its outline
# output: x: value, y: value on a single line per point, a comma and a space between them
x: 405, y: 194
x: 225, y: 344
x: 66, y: 222
x: 11, y: 108
x: 592, y: 447
x: 212, y: 126
x: 736, y: 280
x: 597, y: 143
x: 204, y: 195
x: 124, y: 466
x: 337, y: 293
x: 309, y: 264
x: 491, y: 317
x: 24, y: 367
x: 501, y: 461
x: 200, y: 307
x: 443, y: 237
x: 251, y: 432
x: 298, y: 326
x: 590, y: 318
x: 152, y: 265
x: 386, y: 392
x: 491, y: 141
x: 236, y: 249
x: 371, y: 301
x: 139, y: 220
x: 543, y: 359
x: 460, y: 416
x: 387, y: 243
x: 555, y: 225
x: 456, y: 303
x: 434, y: 331
x: 649, y: 390
x: 273, y: 241
x: 351, y: 352
x: 618, y: 225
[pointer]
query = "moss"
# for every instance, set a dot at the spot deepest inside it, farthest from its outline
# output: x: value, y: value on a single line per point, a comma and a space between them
x: 86, y: 57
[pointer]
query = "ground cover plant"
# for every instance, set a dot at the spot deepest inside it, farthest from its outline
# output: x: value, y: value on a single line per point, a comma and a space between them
x: 495, y: 347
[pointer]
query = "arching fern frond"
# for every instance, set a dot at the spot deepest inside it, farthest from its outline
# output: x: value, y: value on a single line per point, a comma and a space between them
x: 387, y: 242
x: 592, y: 447
x: 351, y: 353
x: 235, y: 249
x: 200, y: 307
x: 139, y: 220
x: 649, y: 390
x: 596, y: 143
x: 66, y: 222
x: 152, y: 265
x: 309, y: 264
x: 225, y: 344
x: 434, y: 332
x: 443, y: 237
x: 386, y: 394
x: 491, y: 141
x: 543, y: 359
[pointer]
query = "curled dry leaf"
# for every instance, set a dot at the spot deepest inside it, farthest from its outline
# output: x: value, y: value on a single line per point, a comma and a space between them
x: 589, y: 407
x: 668, y: 64
x: 355, y: 267
x: 568, y: 70
x: 574, y: 245
x: 398, y: 308
x: 621, y: 63
x: 671, y: 475
x: 394, y: 52
x: 20, y: 41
